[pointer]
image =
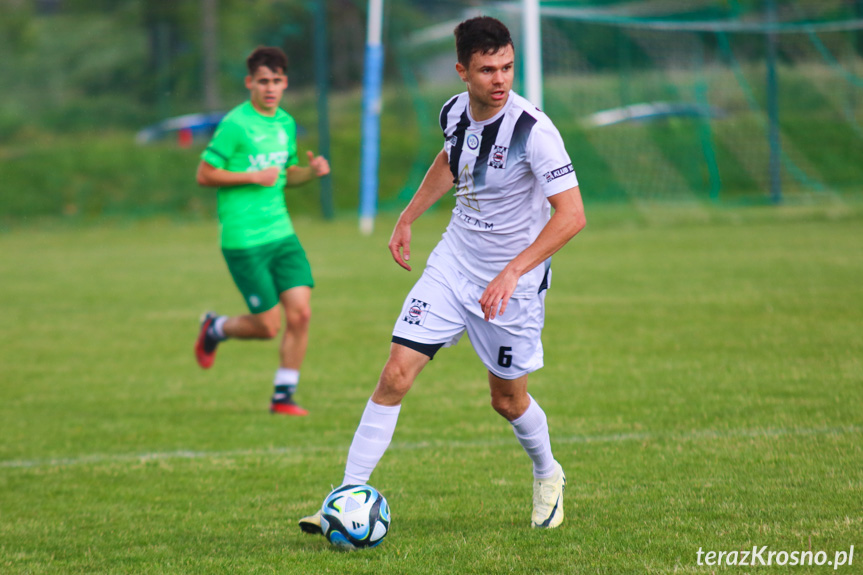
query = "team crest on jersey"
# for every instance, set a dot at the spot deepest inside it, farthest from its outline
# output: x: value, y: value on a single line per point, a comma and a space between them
x: 497, y: 158
x: 472, y: 143
x: 417, y: 312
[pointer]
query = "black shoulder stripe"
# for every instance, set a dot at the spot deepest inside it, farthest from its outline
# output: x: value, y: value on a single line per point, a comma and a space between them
x: 489, y: 136
x: 455, y: 150
x: 520, y: 133
x: 445, y: 112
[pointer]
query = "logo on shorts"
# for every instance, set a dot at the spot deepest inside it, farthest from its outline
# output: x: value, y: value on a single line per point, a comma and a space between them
x: 254, y: 301
x: 417, y: 312
x: 497, y: 159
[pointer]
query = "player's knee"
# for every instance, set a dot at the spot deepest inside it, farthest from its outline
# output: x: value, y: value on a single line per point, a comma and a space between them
x: 268, y: 331
x: 268, y: 328
x: 506, y: 405
x: 396, y: 380
x: 299, y: 318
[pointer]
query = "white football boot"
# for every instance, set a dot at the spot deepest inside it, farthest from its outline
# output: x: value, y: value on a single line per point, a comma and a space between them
x: 548, y: 499
x: 312, y: 524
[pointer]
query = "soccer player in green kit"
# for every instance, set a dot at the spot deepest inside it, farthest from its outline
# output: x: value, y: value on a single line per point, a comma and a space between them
x: 251, y: 158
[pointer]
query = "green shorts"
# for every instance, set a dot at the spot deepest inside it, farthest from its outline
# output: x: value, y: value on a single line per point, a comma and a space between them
x: 263, y: 272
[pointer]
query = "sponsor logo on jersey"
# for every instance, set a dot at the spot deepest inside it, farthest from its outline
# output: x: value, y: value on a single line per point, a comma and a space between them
x: 497, y: 159
x: 452, y: 141
x: 558, y: 173
x: 464, y: 189
x: 472, y: 221
x: 262, y: 161
x: 416, y: 312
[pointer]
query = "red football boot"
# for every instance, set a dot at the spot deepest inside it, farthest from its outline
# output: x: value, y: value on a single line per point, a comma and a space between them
x: 205, y: 346
x: 287, y: 406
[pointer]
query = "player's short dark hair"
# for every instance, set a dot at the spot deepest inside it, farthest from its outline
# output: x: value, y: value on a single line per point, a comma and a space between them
x: 482, y: 34
x: 269, y: 56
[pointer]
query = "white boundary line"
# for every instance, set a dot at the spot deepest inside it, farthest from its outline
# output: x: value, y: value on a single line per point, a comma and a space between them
x: 707, y: 434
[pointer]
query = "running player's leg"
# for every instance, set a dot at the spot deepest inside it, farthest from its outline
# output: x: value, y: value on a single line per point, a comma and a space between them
x: 292, y: 275
x: 263, y: 325
x: 292, y: 351
x: 217, y: 328
x: 530, y: 425
x: 250, y: 269
x: 375, y: 431
x: 511, y: 348
x: 378, y: 423
x: 298, y: 313
x: 429, y: 320
x: 511, y: 400
x: 509, y: 397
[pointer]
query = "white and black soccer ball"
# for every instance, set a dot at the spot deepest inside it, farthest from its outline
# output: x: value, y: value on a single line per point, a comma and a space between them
x: 355, y: 517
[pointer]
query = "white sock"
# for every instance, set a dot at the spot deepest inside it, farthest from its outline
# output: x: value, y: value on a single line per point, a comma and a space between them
x: 286, y: 381
x: 371, y: 439
x: 219, y: 327
x: 531, y: 430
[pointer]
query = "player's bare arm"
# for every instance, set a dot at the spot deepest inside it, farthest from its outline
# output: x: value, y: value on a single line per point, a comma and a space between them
x: 436, y: 183
x: 318, y: 168
x: 213, y: 177
x: 568, y: 219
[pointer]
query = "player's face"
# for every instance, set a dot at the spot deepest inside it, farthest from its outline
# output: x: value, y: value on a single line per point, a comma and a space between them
x: 266, y: 87
x: 489, y: 80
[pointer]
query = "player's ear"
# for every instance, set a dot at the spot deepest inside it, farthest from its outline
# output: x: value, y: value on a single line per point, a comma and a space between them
x: 462, y: 71
x: 249, y: 82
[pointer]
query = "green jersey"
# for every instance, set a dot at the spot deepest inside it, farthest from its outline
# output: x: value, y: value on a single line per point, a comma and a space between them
x: 247, y: 141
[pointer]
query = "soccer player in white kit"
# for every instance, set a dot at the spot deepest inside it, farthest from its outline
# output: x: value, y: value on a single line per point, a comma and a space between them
x: 489, y: 273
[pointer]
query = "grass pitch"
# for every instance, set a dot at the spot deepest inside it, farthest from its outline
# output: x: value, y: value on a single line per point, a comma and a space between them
x: 703, y: 384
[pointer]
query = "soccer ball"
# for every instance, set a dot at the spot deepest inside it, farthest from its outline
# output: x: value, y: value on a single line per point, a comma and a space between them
x: 355, y: 517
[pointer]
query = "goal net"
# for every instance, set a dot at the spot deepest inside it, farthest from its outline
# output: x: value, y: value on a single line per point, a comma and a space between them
x: 686, y: 101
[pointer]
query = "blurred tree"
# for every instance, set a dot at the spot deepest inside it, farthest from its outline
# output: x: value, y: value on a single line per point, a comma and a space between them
x: 210, y: 53
x: 167, y: 23
x: 858, y: 13
x: 17, y: 31
x: 104, y: 63
x: 348, y: 39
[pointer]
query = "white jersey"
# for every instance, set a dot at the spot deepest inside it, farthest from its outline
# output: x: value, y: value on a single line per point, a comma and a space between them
x: 504, y: 169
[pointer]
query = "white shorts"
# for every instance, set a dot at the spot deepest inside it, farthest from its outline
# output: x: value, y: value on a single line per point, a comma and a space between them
x: 443, y: 304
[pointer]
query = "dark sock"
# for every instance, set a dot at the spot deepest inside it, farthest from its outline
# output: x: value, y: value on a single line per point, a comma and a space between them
x: 212, y: 334
x: 283, y: 393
